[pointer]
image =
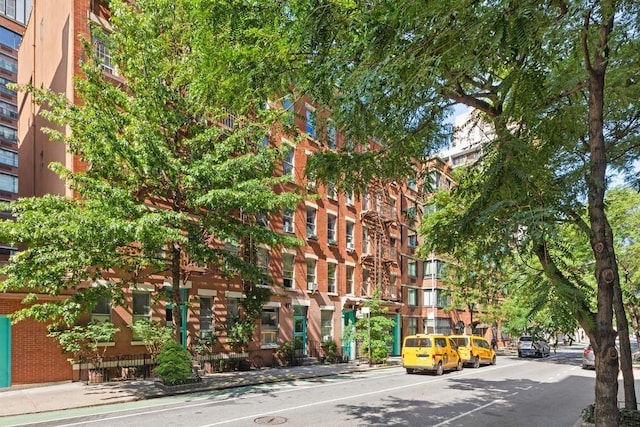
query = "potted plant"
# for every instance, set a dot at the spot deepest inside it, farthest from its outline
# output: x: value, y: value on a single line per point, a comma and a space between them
x: 87, y: 342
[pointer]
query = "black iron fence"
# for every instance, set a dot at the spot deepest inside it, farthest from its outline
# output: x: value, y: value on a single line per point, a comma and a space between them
x: 113, y: 368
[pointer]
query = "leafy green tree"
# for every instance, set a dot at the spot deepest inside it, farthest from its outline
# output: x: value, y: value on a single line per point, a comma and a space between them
x: 178, y: 177
x: 174, y: 364
x: 536, y: 73
x: 153, y: 334
x: 374, y: 331
x: 86, y: 341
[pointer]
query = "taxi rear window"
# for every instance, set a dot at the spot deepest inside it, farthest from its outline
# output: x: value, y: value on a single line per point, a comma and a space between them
x: 417, y: 342
x: 462, y: 342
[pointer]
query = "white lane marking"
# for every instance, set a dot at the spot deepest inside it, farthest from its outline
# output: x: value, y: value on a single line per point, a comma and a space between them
x: 464, y: 414
x: 252, y: 395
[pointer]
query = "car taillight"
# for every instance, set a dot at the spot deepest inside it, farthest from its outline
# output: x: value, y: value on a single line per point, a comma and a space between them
x: 587, y: 351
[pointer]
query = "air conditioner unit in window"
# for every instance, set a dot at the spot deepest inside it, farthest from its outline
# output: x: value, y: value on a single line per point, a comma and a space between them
x: 312, y: 286
x: 351, y: 246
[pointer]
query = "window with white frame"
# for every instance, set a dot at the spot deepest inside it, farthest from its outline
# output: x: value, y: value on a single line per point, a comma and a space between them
x: 331, y: 136
x: 331, y: 277
x: 349, y: 235
x: 141, y: 309
x: 206, y: 317
x: 365, y: 201
x: 311, y: 274
x: 287, y: 221
x: 287, y: 161
x: 326, y: 325
x: 365, y: 240
x: 311, y: 223
x: 349, y: 272
x: 269, y: 327
x: 331, y: 228
x: 412, y: 240
x: 103, y: 55
x: 287, y: 105
x: 428, y: 298
x: 348, y: 198
x: 287, y: 270
x: 332, y: 193
x: 412, y: 268
x: 311, y: 122
x: 102, y: 310
x: 412, y: 297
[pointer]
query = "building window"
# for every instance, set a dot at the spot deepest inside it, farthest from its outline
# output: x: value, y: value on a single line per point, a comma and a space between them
x: 331, y: 277
x: 8, y: 133
x: 262, y: 261
x: 412, y: 297
x: 412, y: 326
x: 8, y: 183
x: 348, y: 198
x: 365, y: 240
x: 412, y: 240
x: 141, y: 309
x: 206, y: 317
x: 349, y: 235
x: 102, y: 310
x: 311, y: 223
x: 287, y: 221
x: 428, y: 299
x: 443, y: 299
x: 9, y: 157
x: 103, y: 55
x: 233, y: 312
x: 287, y: 161
x: 350, y: 272
x: 365, y: 201
x: 412, y: 268
x: 9, y: 38
x: 411, y: 184
x: 8, y: 110
x: 331, y: 136
x: 311, y: 125
x: 331, y: 228
x: 287, y: 270
x: 433, y: 267
x: 312, y: 284
x: 326, y: 325
x: 332, y: 193
x: 9, y: 64
x: 269, y: 327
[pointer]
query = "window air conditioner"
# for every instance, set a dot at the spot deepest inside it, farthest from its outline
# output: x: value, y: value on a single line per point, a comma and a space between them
x: 312, y: 286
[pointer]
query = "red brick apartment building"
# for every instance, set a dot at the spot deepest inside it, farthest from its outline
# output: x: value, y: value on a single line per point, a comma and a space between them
x: 353, y: 244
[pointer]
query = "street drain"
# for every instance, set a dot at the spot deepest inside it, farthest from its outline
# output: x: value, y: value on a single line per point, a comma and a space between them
x: 272, y: 421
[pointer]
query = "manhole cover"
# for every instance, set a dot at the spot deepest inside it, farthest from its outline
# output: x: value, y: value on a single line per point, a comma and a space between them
x: 272, y: 421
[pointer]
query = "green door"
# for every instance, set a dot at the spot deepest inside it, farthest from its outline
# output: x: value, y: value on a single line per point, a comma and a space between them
x: 348, y: 346
x: 300, y: 330
x: 5, y: 351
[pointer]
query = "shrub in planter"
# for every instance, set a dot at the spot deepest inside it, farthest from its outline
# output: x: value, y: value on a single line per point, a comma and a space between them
x: 174, y: 364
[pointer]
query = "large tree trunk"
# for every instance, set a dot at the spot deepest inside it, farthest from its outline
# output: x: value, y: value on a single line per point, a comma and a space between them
x: 596, y: 60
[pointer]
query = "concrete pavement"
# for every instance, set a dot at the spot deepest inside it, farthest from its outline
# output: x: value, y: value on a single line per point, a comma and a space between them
x: 32, y: 399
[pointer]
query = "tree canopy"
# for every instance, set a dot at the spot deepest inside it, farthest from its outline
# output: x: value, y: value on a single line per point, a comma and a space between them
x: 558, y: 83
x: 179, y: 173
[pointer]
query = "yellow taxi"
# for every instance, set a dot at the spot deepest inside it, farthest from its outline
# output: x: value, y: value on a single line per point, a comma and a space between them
x: 475, y: 351
x: 436, y: 353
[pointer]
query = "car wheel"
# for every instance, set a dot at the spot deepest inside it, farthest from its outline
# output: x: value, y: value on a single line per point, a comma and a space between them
x: 439, y: 369
x: 410, y: 371
x: 519, y: 354
x: 476, y: 362
x: 460, y: 365
x: 584, y: 366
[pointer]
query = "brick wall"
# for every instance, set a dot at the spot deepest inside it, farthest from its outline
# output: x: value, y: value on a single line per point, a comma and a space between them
x: 35, y: 358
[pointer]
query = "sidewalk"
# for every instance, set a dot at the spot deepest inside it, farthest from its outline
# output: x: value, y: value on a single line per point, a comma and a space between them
x: 31, y: 399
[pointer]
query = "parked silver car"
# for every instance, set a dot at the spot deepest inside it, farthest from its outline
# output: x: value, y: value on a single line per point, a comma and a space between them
x: 528, y: 346
x: 588, y: 358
